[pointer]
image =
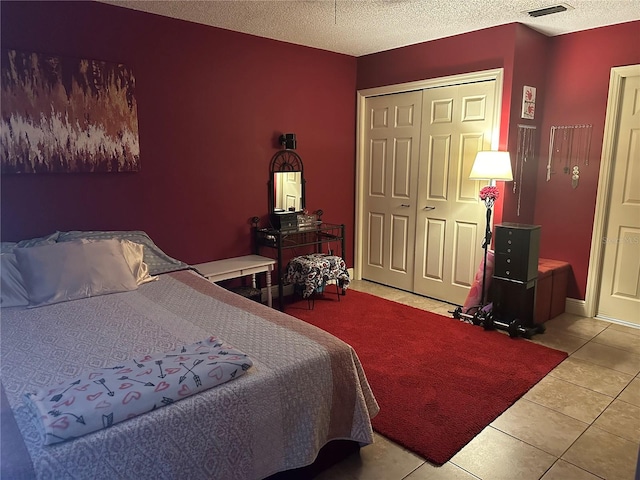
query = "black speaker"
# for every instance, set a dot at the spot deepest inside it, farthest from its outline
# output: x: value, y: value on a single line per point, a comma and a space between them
x: 288, y: 141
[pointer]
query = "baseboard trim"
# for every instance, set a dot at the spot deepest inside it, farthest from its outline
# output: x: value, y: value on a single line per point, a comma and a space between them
x: 576, y: 307
x: 288, y: 290
x: 619, y: 322
x: 572, y: 305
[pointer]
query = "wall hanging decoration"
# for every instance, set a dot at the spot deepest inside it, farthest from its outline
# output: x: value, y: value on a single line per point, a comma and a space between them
x: 569, y: 147
x: 528, y: 102
x: 67, y: 115
x: 526, y: 142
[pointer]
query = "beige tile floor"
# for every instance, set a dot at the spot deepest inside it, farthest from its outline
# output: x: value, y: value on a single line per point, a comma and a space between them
x: 582, y: 421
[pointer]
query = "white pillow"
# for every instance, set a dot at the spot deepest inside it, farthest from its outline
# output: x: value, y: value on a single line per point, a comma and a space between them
x: 134, y: 254
x: 12, y: 291
x: 72, y: 270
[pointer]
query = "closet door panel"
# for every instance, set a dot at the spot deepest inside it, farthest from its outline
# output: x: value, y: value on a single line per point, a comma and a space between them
x: 451, y: 137
x: 391, y: 172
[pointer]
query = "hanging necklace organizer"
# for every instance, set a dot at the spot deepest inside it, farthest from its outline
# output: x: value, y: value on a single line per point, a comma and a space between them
x: 526, y: 142
x: 569, y: 147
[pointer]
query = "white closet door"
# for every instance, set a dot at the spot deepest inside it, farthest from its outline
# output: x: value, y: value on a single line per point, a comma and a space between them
x: 392, y: 147
x: 423, y: 223
x: 457, y: 122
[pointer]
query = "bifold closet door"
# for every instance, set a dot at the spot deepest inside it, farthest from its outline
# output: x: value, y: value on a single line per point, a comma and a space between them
x: 457, y: 122
x: 392, y: 148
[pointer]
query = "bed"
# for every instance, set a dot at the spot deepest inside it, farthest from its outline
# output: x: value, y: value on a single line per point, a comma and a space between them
x: 304, y: 387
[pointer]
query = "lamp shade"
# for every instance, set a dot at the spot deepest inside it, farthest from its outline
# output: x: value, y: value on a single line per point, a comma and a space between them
x: 492, y: 165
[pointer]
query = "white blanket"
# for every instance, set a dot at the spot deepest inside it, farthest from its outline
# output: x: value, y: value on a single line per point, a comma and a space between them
x: 104, y: 396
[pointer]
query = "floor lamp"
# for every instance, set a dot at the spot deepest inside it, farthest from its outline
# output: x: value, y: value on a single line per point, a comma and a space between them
x: 492, y: 166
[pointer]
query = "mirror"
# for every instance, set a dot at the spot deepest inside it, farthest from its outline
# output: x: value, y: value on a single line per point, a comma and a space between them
x: 286, y: 182
x: 287, y: 191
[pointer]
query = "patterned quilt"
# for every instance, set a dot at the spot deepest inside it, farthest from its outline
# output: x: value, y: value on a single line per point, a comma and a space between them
x: 248, y: 428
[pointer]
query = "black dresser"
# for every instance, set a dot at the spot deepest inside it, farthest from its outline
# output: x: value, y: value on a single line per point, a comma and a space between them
x: 515, y: 273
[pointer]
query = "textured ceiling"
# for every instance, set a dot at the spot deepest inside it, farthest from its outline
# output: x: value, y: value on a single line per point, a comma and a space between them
x: 360, y: 27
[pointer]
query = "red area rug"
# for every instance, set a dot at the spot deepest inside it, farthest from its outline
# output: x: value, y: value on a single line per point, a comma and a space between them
x: 438, y: 381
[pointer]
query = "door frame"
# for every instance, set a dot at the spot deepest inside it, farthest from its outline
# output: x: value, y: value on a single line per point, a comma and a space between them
x: 496, y: 74
x: 605, y: 177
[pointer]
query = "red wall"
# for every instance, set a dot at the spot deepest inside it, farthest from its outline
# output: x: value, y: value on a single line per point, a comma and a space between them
x: 571, y: 75
x: 211, y: 104
x: 505, y: 47
x: 481, y: 50
x: 529, y: 69
x: 578, y: 70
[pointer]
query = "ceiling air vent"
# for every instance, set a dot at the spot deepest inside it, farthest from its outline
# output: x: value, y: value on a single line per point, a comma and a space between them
x: 549, y: 10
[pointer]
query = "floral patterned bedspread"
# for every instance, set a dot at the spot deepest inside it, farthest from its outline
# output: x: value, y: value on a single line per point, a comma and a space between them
x: 315, y: 270
x: 248, y: 428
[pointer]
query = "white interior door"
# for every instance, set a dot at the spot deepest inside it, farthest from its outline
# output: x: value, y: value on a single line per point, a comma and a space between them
x: 620, y: 279
x: 392, y: 147
x: 457, y: 122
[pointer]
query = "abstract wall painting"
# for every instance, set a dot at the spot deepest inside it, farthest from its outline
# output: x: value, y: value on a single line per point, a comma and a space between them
x: 66, y: 115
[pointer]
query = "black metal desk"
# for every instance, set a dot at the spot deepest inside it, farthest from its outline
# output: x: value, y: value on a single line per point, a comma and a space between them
x: 279, y: 240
